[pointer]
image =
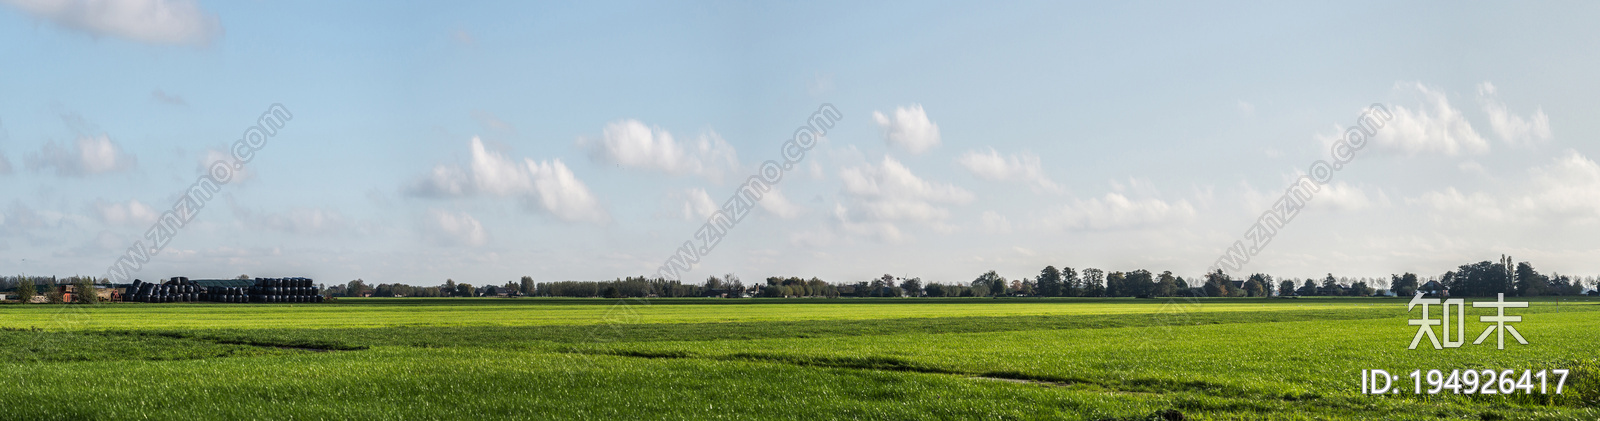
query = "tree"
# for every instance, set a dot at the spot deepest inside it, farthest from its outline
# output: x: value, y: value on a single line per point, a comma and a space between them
x: 1167, y: 285
x: 1093, y: 284
x: 86, y: 292
x: 1310, y: 288
x: 355, y: 288
x: 527, y: 287
x: 1117, y: 285
x: 1285, y: 288
x: 935, y: 290
x: 1529, y: 282
x: 1362, y: 289
x: 464, y: 290
x: 1218, y: 284
x: 26, y: 289
x: 242, y: 276
x: 1259, y: 285
x: 912, y: 287
x: 1049, y: 282
x: 989, y: 283
x: 1140, y: 283
x: 1403, y: 285
x: 713, y: 282
x: 1330, y: 286
x: 1071, y: 286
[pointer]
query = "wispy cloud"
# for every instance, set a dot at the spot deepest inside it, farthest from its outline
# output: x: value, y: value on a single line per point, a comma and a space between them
x: 180, y: 22
x: 169, y: 99
x: 1022, y: 167
x: 1513, y: 129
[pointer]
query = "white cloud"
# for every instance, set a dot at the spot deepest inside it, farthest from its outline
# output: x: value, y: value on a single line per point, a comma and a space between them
x: 887, y: 193
x: 90, y: 155
x: 1513, y: 129
x: 548, y: 184
x: 908, y: 129
x: 563, y: 195
x: 632, y: 144
x: 1024, y: 168
x: 1433, y: 127
x: 443, y: 181
x: 1566, y: 191
x: 149, y: 21
x: 1342, y: 196
x: 455, y: 228
x: 779, y: 205
x: 131, y: 213
x: 698, y: 205
x: 495, y: 174
x: 1116, y: 211
x: 994, y: 223
x: 1568, y: 188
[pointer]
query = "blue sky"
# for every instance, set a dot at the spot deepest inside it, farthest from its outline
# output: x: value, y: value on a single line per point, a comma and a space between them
x: 488, y: 141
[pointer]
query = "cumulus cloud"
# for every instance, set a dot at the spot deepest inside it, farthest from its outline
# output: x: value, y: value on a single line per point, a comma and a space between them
x: 131, y: 213
x: 1116, y: 211
x: 88, y: 156
x: 548, y: 185
x: 1513, y: 129
x: 632, y: 144
x: 1434, y: 126
x: 1022, y: 168
x: 180, y: 22
x: 455, y: 228
x: 1565, y: 191
x: 560, y: 193
x: 884, y: 194
x: 909, y: 129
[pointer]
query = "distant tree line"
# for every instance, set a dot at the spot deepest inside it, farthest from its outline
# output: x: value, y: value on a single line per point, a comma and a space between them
x: 1477, y: 279
x: 1482, y: 279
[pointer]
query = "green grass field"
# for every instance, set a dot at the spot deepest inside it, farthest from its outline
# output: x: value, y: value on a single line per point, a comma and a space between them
x: 766, y: 359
